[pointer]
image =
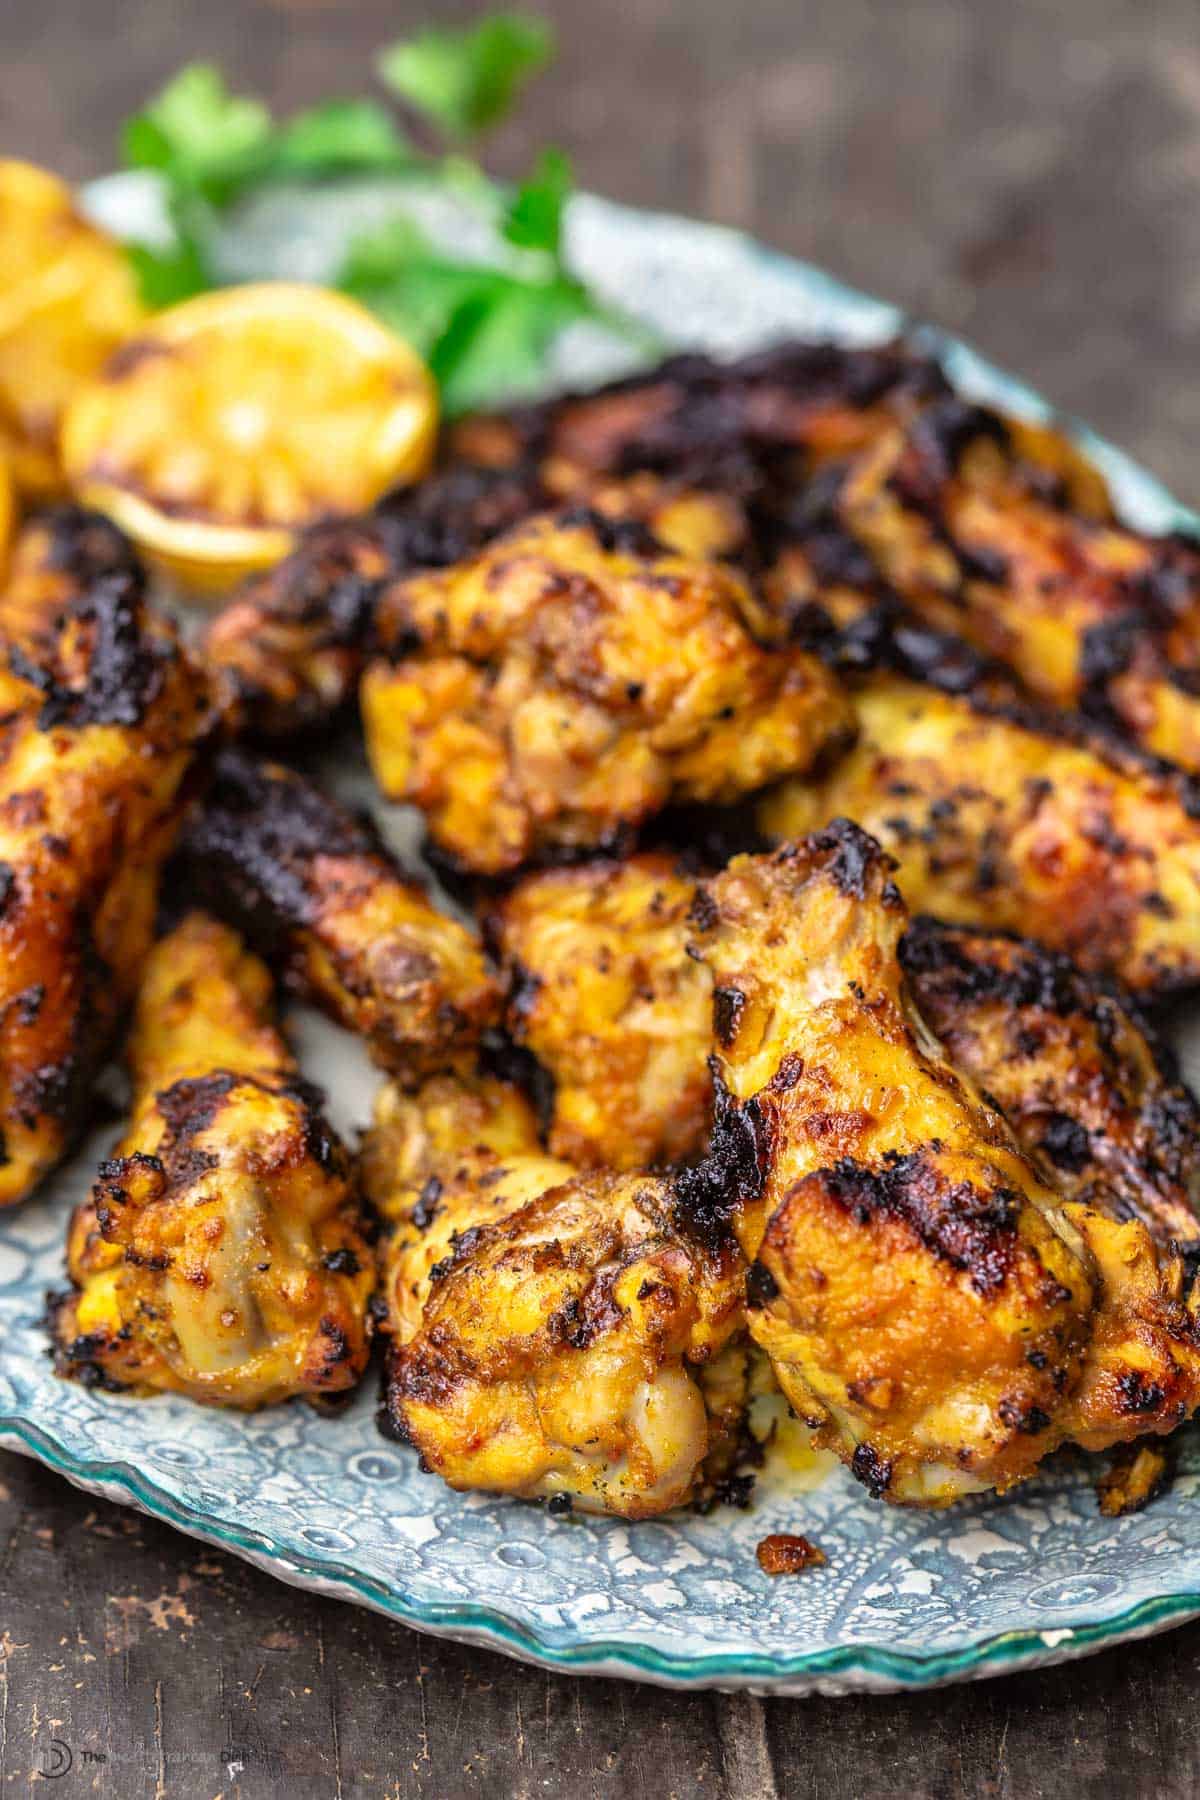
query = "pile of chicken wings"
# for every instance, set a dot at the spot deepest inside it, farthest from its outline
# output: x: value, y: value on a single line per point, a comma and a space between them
x: 813, y: 757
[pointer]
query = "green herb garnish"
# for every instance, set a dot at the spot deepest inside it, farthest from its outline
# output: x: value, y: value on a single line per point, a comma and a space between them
x: 484, y: 328
x: 465, y: 81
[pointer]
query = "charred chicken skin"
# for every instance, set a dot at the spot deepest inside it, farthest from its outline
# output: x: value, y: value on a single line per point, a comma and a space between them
x: 982, y: 537
x: 59, y: 557
x: 606, y: 997
x: 1003, y: 818
x: 97, y: 732
x: 725, y: 423
x: 1091, y: 1092
x: 285, y: 655
x: 941, y: 1315
x: 314, y: 889
x: 221, y: 1254
x: 557, y: 690
x: 548, y: 1329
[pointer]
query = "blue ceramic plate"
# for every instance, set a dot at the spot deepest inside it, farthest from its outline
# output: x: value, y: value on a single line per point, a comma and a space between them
x: 906, y: 1599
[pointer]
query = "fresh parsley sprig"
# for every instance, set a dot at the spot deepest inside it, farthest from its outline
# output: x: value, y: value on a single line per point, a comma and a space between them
x: 484, y: 328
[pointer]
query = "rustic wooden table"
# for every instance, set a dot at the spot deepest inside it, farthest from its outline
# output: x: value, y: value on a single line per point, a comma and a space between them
x: 1028, y: 174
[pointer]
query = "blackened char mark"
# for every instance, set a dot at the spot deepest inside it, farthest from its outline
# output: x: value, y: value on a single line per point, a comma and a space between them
x: 615, y: 536
x: 961, y: 967
x: 939, y: 437
x: 191, y: 1105
x: 247, y: 852
x: 854, y: 858
x: 701, y: 415
x: 732, y: 1174
x: 125, y: 663
x: 873, y: 1470
x: 85, y: 546
x: 971, y: 1229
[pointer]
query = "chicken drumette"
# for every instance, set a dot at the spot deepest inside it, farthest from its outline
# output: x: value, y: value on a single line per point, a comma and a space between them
x: 221, y: 1254
x: 314, y: 889
x: 97, y: 732
x: 555, y: 691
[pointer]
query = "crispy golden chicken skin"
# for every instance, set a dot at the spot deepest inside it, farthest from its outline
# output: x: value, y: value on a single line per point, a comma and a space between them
x: 97, y: 733
x: 221, y: 1254
x: 59, y: 557
x: 606, y: 997
x: 573, y: 679
x: 1092, y: 1094
x: 979, y: 534
x: 315, y: 890
x: 1005, y: 819
x: 548, y: 1328
x: 285, y: 654
x: 941, y: 1316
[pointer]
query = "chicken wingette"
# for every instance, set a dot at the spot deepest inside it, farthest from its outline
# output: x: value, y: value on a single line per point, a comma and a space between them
x: 221, y: 1254
x: 606, y: 997
x: 549, y: 1329
x: 941, y: 1315
x: 1092, y: 1093
x: 1003, y: 818
x: 314, y: 889
x: 979, y: 537
x: 97, y: 733
x: 567, y: 683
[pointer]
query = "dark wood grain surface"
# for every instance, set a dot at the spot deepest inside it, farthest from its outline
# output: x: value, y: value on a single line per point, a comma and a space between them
x: 1026, y: 172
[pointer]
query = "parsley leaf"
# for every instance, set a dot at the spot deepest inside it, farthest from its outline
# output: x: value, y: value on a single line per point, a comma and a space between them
x: 466, y: 80
x: 200, y: 137
x: 340, y: 137
x: 535, y: 215
x: 166, y: 276
x: 483, y: 331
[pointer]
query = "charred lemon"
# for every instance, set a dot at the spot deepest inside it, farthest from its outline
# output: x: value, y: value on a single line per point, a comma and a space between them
x: 68, y: 299
x: 240, y: 416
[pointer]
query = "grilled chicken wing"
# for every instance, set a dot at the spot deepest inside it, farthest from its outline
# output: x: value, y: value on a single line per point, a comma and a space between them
x: 315, y: 889
x: 96, y: 736
x: 941, y: 1315
x: 1006, y: 819
x: 978, y: 532
x: 221, y: 1254
x: 548, y: 1328
x: 606, y: 997
x: 571, y: 680
x: 59, y: 557
x: 1092, y: 1094
x: 695, y: 417
x: 285, y: 655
